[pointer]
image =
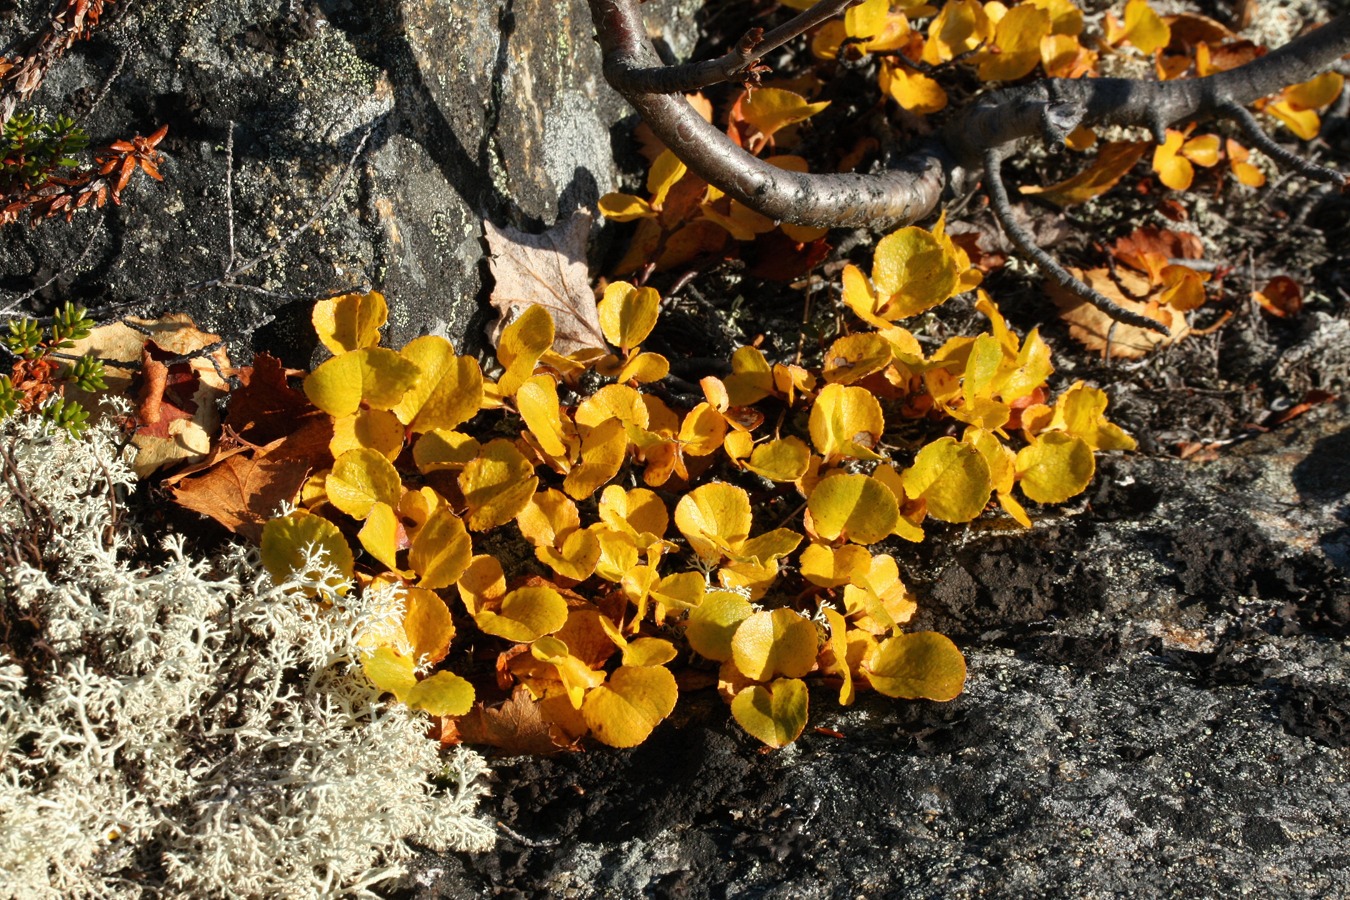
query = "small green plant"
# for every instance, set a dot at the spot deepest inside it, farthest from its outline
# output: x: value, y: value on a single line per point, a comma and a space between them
x: 33, y: 149
x: 39, y: 379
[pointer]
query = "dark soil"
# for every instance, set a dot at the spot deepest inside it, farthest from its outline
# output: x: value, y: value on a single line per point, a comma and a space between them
x: 1158, y: 701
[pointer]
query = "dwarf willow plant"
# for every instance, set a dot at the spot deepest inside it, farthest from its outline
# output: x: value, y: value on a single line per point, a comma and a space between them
x: 430, y: 457
x: 38, y: 379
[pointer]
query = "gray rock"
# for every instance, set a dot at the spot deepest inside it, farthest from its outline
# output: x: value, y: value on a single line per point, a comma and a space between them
x: 491, y: 109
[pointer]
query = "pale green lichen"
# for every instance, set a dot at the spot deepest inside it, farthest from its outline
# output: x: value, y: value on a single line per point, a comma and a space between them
x: 192, y: 729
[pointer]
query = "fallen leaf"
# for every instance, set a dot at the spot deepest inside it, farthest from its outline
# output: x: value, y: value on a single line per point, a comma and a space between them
x: 1094, y: 329
x: 547, y: 270
x: 515, y: 727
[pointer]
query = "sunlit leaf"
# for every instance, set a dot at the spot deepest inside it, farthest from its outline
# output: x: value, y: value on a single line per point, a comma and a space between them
x: 636, y: 512
x: 440, y: 450
x: 628, y: 314
x: 360, y: 479
x: 575, y: 555
x: 619, y: 207
x: 426, y: 622
x: 712, y: 624
x: 667, y: 169
x: 603, y: 452
x: 441, y: 551
x: 525, y: 614
x: 846, y: 421
x: 537, y: 403
x: 913, y: 271
x: 838, y: 649
x: 351, y: 321
x: 482, y: 583
x: 920, y: 666
x: 285, y: 540
x: 1055, y: 467
x: 377, y: 376
x: 522, y: 343
x: 624, y: 710
x: 1143, y: 28
x: 613, y: 401
x: 714, y: 518
x: 1018, y: 40
x: 785, y: 459
x: 448, y: 389
x: 379, y: 534
x: 856, y: 507
x: 774, y: 714
x: 773, y: 643
x: 390, y: 671
x: 912, y: 89
x: 441, y: 694
x: 376, y: 429
x: 497, y: 485
x: 769, y: 109
x: 952, y: 478
x: 1113, y: 161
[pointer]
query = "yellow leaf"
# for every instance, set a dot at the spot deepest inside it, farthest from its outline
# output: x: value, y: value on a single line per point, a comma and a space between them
x: 1315, y: 93
x: 666, y: 170
x: 712, y: 624
x: 912, y: 89
x: 682, y: 590
x: 537, y: 403
x: 1055, y: 467
x: 703, y: 431
x: 775, y: 714
x: 377, y: 376
x: 548, y: 516
x: 497, y: 485
x: 618, y: 553
x: 769, y: 109
x: 1304, y: 123
x: 351, y: 321
x: 751, y: 378
x: 853, y: 357
x: 379, y: 535
x: 827, y: 567
x: 360, y: 479
x: 785, y: 459
x: 645, y: 368
x: 625, y: 207
x: 1143, y: 27
x: 439, y: 450
x: 575, y: 556
x: 442, y: 694
x: 855, y: 507
x: 1081, y: 411
x: 482, y: 583
x: 920, y: 666
x: 1173, y: 169
x: 448, y: 389
x: 838, y: 649
x: 623, y: 711
x: 867, y: 19
x: 375, y: 429
x: 1183, y: 287
x: 441, y: 551
x: 1065, y: 18
x: 613, y: 401
x: 952, y: 478
x: 648, y: 651
x: 1243, y: 170
x: 526, y: 614
x: 636, y: 512
x: 1112, y: 162
x: 628, y: 314
x: 773, y: 643
x: 603, y: 452
x: 714, y: 518
x: 285, y: 540
x: 961, y: 25
x: 389, y: 671
x: 911, y: 517
x: 1018, y: 40
x: 997, y: 456
x: 846, y: 421
x: 426, y: 622
x: 1202, y: 150
x: 914, y: 271
x: 767, y: 547
x: 522, y: 343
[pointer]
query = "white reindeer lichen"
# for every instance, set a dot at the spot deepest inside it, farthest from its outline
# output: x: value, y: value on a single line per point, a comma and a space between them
x: 193, y: 729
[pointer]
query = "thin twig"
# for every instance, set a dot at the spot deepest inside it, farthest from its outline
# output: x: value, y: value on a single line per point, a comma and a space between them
x: 1026, y: 243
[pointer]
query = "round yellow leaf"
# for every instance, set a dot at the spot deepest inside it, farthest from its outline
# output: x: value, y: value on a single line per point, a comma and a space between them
x: 920, y: 666
x: 628, y: 314
x: 773, y: 643
x: 703, y: 430
x: 443, y: 694
x: 603, y: 452
x: 360, y: 479
x: 856, y: 507
x: 526, y: 614
x: 441, y: 551
x: 623, y: 711
x: 482, y: 582
x: 575, y: 558
x: 714, y: 518
x: 638, y: 511
x: 613, y: 401
x: 952, y: 478
x: 648, y: 651
x: 497, y: 485
x: 285, y: 540
x: 522, y: 343
x: 374, y: 429
x: 427, y: 623
x: 645, y: 368
x: 846, y: 421
x: 390, y: 671
x: 1055, y: 467
x: 351, y: 321
x: 549, y: 514
x: 712, y: 624
x: 379, y: 534
x: 448, y: 389
x: 913, y: 271
x: 775, y: 714
x: 439, y: 450
x: 829, y: 568
x: 375, y: 375
x: 855, y: 356
x: 537, y: 402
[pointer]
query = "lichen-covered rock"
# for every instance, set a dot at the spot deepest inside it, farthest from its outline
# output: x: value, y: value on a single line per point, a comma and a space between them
x: 491, y: 109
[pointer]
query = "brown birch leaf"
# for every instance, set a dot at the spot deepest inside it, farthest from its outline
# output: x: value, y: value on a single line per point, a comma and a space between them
x: 547, y: 270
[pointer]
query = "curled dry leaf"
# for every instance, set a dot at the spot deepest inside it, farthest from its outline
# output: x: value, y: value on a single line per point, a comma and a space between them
x: 1097, y: 331
x: 547, y: 270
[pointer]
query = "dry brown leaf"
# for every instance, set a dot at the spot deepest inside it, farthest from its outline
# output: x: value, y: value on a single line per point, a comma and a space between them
x: 547, y: 270
x: 1091, y: 327
x: 516, y: 727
